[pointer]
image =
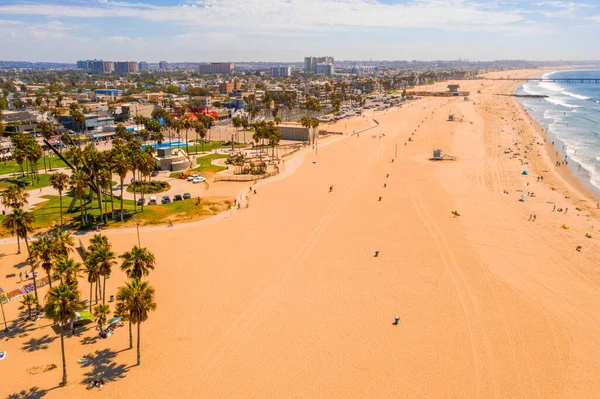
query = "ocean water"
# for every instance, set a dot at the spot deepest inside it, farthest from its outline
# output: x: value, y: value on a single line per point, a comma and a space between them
x: 571, y: 115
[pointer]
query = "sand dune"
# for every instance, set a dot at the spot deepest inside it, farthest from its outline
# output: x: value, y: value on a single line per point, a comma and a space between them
x: 286, y: 298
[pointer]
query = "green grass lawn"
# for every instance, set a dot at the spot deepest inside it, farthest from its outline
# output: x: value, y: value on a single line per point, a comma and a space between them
x: 205, y: 165
x: 44, y: 180
x: 47, y: 214
x: 12, y: 166
x: 210, y: 146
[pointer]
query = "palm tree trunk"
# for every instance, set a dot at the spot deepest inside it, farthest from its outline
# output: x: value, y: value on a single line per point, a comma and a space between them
x: 134, y: 194
x: 104, y: 289
x: 62, y: 225
x: 81, y: 209
x: 49, y: 278
x: 96, y: 293
x: 138, y: 343
x: 91, y: 285
x: 121, y: 199
x: 18, y: 245
x: 64, y: 360
x: 130, y: 336
x: 100, y: 288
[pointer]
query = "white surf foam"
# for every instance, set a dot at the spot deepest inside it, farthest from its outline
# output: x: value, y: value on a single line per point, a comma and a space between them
x: 560, y: 101
x: 551, y: 86
x: 578, y: 96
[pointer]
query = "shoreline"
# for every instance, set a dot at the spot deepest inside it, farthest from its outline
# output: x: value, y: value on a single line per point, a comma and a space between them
x: 579, y: 181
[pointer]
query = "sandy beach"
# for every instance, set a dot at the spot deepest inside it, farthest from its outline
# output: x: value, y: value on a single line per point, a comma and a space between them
x: 285, y: 299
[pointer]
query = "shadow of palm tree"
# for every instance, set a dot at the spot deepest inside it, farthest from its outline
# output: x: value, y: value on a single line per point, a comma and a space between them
x: 16, y: 328
x: 89, y: 340
x: 102, y: 364
x: 35, y: 344
x: 31, y: 393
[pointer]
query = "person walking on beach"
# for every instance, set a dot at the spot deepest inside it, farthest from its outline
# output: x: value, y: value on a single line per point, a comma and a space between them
x: 331, y: 188
x: 20, y: 276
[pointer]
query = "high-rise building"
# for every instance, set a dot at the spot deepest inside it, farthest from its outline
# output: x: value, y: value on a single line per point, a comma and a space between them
x: 108, y: 67
x: 310, y: 63
x: 86, y: 64
x: 126, y: 66
x: 143, y: 66
x: 281, y: 71
x: 132, y: 67
x: 214, y: 68
x: 324, y: 69
x: 163, y: 65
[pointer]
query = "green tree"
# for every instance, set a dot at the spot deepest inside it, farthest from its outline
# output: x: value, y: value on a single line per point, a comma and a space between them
x: 140, y: 302
x: 101, y: 312
x: 68, y: 271
x: 61, y: 304
x: 121, y: 165
x: 14, y: 197
x: 27, y: 302
x: 59, y: 181
x: 44, y: 252
x: 138, y: 262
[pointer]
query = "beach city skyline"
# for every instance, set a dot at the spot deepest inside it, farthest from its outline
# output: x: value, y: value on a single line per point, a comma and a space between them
x: 219, y: 199
x: 283, y: 31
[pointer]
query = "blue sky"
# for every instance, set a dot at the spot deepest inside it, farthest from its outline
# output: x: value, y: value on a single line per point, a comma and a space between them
x: 288, y: 30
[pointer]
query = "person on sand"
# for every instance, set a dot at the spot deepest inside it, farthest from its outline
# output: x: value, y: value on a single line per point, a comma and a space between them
x: 331, y: 188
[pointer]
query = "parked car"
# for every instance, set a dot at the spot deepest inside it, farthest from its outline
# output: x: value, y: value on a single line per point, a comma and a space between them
x: 187, y: 196
x: 152, y: 201
x: 166, y: 199
x: 177, y: 197
x: 141, y: 201
x: 154, y: 173
x: 198, y: 179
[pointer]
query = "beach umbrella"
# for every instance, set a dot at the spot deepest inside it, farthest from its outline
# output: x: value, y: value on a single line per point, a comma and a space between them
x: 525, y: 172
x: 523, y: 195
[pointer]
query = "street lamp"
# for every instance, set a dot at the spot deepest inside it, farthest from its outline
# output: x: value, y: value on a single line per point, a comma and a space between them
x: 137, y: 226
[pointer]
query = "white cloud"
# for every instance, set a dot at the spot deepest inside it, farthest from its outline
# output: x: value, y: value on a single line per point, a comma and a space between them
x: 284, y: 15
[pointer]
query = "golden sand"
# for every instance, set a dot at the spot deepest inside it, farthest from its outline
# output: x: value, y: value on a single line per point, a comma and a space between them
x: 285, y: 299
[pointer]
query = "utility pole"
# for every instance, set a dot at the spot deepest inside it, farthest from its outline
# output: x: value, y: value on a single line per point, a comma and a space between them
x: 137, y: 226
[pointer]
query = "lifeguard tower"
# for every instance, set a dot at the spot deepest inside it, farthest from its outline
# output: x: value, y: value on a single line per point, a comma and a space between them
x: 438, y: 155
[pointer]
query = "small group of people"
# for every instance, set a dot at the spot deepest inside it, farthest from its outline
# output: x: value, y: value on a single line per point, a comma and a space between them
x: 540, y: 179
x: 98, y: 383
x: 27, y: 275
x: 532, y: 217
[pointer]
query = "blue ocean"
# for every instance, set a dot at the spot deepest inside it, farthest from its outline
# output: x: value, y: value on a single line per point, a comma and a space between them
x: 571, y: 115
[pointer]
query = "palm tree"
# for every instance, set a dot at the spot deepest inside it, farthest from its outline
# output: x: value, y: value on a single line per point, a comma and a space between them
x: 101, y: 312
x: 140, y: 302
x: 61, y: 303
x: 59, y: 181
x: 43, y: 252
x: 105, y: 260
x: 138, y: 262
x: 91, y: 269
x: 200, y: 131
x: 122, y: 309
x: 68, y: 271
x: 79, y: 184
x: 121, y: 166
x: 64, y: 242
x: 27, y: 302
x: 14, y: 197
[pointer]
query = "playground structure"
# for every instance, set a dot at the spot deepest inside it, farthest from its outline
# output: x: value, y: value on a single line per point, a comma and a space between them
x: 439, y: 155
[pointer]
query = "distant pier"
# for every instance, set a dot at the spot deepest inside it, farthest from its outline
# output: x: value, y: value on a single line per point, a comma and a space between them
x: 555, y: 80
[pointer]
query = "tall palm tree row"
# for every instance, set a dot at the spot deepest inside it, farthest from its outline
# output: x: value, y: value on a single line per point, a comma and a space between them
x: 60, y: 307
